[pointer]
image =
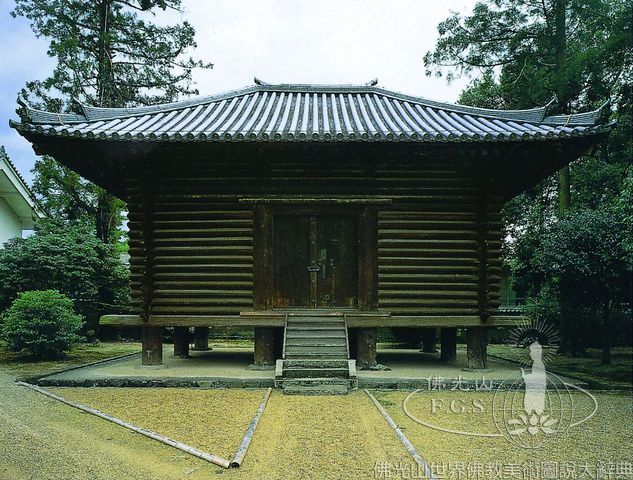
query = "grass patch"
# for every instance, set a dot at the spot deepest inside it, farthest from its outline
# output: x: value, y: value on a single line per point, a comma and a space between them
x: 26, y: 367
x: 587, y: 368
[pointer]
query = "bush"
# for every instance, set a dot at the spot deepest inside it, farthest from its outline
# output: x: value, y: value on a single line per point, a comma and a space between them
x: 42, y: 324
x: 66, y: 257
x: 544, y: 312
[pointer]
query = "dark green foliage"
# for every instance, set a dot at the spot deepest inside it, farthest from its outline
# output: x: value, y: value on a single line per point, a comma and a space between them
x: 64, y: 194
x: 544, y: 307
x: 41, y: 324
x: 581, y: 51
x: 576, y: 49
x: 586, y: 249
x: 484, y: 92
x: 108, y: 54
x: 68, y: 258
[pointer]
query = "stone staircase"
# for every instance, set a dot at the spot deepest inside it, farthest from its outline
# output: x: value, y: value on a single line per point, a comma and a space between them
x: 315, y: 356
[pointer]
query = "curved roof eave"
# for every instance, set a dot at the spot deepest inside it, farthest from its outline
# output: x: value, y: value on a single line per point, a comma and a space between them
x: 289, y: 112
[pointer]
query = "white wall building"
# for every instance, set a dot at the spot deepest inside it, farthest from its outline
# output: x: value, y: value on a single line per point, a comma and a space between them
x: 18, y: 210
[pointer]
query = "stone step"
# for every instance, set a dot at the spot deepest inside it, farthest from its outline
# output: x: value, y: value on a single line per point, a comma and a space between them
x: 315, y: 390
x: 315, y: 372
x: 329, y: 333
x: 308, y: 381
x: 315, y: 355
x: 315, y: 363
x: 315, y: 321
x: 315, y: 342
x: 316, y: 349
x: 311, y: 327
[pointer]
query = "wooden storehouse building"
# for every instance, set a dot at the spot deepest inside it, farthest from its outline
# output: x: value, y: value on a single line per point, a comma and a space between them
x: 313, y: 213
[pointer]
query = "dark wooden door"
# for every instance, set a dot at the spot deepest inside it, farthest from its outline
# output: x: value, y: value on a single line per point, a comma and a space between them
x: 315, y: 261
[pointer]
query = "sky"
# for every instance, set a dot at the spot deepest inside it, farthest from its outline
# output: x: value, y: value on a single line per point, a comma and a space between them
x: 278, y: 41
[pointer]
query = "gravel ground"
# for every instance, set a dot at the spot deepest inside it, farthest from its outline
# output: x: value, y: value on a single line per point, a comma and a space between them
x: 319, y: 438
x: 297, y: 437
x: 42, y: 439
x: 607, y: 437
x: 212, y: 420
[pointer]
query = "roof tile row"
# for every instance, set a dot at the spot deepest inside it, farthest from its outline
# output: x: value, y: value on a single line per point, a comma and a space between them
x: 311, y: 113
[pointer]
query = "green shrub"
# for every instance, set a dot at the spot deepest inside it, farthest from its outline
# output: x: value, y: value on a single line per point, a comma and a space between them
x: 40, y: 323
x: 68, y: 258
x: 544, y: 312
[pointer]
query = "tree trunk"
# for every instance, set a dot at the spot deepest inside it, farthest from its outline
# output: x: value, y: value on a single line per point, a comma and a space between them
x: 104, y: 77
x: 606, y: 333
x: 448, y: 344
x: 366, y: 348
x: 569, y: 329
x: 106, y: 220
x: 564, y: 191
x: 562, y: 93
x: 477, y: 346
x: 152, y: 353
x: 201, y: 339
x: 264, y: 347
x: 181, y: 342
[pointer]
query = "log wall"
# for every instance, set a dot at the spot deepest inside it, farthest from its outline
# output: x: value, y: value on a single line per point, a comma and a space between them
x: 191, y: 242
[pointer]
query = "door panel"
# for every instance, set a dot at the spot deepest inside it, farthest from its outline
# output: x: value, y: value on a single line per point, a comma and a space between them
x: 315, y: 261
x: 337, y: 257
x: 291, y: 258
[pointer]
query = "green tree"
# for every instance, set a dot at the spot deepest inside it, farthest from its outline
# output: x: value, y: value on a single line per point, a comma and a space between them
x: 577, y: 50
x: 527, y: 52
x: 586, y: 251
x: 41, y: 324
x: 108, y: 54
x: 66, y: 257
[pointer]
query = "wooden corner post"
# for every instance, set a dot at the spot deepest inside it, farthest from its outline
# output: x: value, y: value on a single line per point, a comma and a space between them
x: 152, y: 337
x: 265, y: 337
x: 368, y: 286
x: 477, y: 337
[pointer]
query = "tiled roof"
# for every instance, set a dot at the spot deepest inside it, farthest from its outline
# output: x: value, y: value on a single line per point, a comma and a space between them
x: 311, y: 113
x: 19, y: 183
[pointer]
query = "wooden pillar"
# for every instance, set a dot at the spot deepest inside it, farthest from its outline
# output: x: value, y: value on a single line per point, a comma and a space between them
x: 201, y: 339
x: 429, y: 337
x: 368, y: 278
x: 366, y: 348
x: 264, y: 347
x: 181, y: 342
x: 152, y: 346
x: 476, y: 347
x: 152, y: 337
x: 448, y: 344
